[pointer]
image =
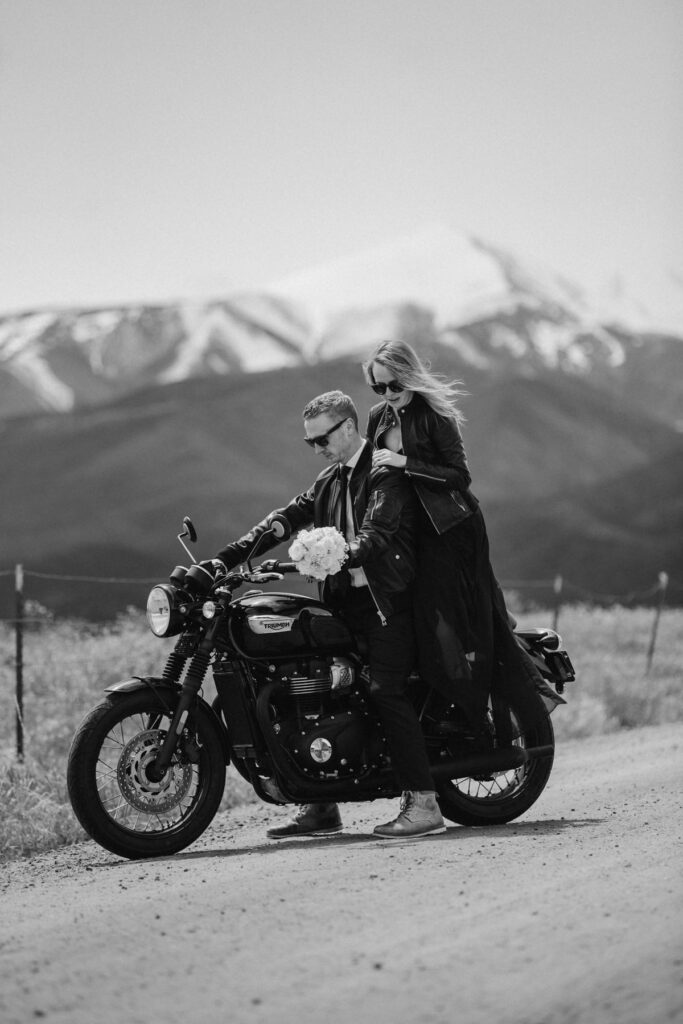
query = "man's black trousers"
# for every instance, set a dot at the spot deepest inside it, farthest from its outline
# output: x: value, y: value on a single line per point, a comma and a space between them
x: 391, y: 657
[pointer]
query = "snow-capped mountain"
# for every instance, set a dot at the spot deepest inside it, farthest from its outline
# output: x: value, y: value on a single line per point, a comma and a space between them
x: 63, y: 359
x: 492, y: 310
x: 459, y: 279
x: 478, y: 299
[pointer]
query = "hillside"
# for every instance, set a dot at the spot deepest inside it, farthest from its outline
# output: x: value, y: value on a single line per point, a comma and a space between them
x: 609, y: 539
x: 562, y: 471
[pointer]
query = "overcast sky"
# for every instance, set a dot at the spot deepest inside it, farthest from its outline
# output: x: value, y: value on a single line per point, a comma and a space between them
x: 154, y: 149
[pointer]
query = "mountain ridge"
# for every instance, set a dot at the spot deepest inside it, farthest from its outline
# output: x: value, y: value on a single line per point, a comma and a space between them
x: 495, y: 311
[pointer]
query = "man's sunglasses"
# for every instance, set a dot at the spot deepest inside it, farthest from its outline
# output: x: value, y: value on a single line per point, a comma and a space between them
x: 322, y: 440
x: 393, y: 385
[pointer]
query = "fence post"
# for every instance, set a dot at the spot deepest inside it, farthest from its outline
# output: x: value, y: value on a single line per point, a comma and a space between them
x: 557, y: 588
x: 19, y: 658
x: 663, y: 584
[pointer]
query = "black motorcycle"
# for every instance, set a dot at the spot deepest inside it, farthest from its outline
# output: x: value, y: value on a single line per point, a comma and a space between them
x: 147, y: 766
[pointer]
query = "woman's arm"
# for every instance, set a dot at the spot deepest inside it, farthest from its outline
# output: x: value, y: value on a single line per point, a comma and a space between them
x: 449, y: 464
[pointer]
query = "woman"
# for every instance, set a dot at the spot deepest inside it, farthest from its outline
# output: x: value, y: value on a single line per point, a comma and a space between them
x: 467, y: 650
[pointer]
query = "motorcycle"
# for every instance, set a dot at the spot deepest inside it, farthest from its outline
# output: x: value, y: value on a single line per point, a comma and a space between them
x: 292, y: 713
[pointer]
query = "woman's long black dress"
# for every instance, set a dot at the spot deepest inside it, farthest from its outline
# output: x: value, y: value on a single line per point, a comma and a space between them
x: 466, y: 648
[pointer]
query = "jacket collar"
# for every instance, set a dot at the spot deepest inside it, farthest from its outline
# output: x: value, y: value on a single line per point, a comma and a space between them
x: 356, y: 457
x: 362, y: 462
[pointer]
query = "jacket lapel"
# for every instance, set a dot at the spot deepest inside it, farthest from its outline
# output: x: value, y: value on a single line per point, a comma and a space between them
x: 386, y: 420
x: 362, y: 468
x: 358, y: 480
x: 327, y: 487
x: 334, y: 498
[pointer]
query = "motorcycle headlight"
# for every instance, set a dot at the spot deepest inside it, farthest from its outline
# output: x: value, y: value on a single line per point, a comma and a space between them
x: 162, y: 615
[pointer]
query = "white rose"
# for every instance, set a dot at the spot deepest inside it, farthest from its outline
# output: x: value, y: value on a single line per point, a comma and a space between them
x: 297, y: 551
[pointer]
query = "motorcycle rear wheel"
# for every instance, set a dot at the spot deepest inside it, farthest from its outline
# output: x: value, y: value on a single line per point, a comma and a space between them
x: 112, y: 796
x: 499, y: 797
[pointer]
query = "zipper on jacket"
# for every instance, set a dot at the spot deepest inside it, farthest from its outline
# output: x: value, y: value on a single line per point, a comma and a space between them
x: 382, y: 618
x: 371, y: 510
x: 440, y: 479
x: 355, y: 530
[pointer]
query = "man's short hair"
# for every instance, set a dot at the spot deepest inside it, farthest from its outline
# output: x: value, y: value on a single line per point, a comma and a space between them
x: 334, y: 403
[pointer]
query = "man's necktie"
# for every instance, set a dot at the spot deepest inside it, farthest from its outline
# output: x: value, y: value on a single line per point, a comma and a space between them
x: 344, y: 474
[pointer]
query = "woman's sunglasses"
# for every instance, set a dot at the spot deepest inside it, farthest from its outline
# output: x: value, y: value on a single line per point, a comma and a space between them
x: 393, y: 385
x: 322, y: 440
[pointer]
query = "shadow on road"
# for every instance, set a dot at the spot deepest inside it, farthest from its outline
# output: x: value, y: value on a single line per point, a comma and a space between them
x: 454, y: 833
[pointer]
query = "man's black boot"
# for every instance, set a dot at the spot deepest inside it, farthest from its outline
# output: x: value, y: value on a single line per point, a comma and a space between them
x: 309, y: 820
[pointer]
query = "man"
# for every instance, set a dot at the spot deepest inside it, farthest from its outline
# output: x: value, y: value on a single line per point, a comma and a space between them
x: 376, y: 509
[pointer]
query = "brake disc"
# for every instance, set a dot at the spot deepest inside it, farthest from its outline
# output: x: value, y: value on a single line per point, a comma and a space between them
x: 141, y: 792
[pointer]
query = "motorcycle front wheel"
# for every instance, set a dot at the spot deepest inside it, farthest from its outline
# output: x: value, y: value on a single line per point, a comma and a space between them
x: 498, y: 797
x: 112, y: 796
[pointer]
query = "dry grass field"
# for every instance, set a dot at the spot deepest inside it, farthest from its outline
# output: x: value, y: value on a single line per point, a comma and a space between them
x: 67, y: 664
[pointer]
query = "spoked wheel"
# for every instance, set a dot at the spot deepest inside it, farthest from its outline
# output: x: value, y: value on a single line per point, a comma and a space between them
x: 110, y: 789
x: 497, y: 797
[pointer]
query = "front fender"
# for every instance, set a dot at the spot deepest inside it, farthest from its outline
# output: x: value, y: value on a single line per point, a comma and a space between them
x: 140, y: 683
x: 168, y: 693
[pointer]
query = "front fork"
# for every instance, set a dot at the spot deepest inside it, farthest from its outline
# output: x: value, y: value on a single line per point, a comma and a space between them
x: 192, y: 684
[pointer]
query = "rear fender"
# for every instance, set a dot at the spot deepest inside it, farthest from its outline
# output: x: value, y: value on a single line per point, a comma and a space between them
x: 168, y: 695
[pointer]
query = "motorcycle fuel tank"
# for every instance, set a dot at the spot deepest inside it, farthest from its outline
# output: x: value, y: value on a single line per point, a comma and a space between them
x: 278, y: 625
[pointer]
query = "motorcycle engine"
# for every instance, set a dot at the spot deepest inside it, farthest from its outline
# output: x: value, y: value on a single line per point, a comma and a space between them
x: 322, y: 718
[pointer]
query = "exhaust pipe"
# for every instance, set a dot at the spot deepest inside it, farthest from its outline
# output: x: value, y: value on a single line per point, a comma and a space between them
x: 502, y: 760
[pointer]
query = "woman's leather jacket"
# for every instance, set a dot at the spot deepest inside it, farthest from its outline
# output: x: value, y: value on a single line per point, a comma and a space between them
x: 436, y: 461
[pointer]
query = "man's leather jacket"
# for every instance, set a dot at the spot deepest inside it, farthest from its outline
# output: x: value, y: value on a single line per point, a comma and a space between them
x: 436, y: 461
x: 384, y: 509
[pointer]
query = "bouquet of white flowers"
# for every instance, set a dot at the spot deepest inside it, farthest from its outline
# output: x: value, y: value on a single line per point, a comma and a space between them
x: 320, y: 552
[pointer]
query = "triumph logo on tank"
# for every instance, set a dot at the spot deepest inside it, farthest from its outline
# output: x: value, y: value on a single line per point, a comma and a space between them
x: 269, y: 624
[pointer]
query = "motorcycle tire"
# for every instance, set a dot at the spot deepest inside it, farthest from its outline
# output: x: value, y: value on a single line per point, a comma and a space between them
x: 112, y: 797
x: 499, y: 797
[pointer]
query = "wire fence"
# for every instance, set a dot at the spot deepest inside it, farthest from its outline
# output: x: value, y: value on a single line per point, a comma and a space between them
x: 559, y: 591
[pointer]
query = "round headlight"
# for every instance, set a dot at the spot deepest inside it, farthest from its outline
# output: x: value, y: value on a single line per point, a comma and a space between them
x: 159, y: 609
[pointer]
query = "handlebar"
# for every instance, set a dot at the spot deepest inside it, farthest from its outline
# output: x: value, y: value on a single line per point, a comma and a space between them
x: 272, y: 565
x: 267, y: 572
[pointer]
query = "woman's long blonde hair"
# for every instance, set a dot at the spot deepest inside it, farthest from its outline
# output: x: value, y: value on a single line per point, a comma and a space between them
x: 401, y: 360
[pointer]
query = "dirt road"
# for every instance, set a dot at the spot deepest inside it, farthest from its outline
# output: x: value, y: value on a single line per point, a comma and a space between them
x: 572, y: 914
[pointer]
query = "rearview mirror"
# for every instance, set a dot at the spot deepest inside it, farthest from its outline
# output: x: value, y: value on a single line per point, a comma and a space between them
x: 189, y: 529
